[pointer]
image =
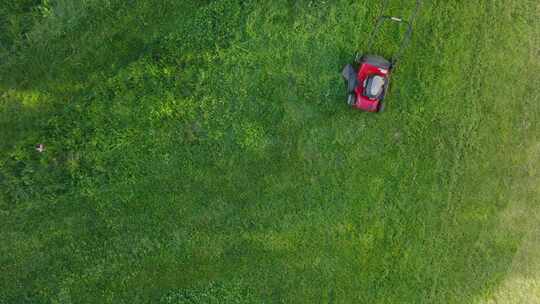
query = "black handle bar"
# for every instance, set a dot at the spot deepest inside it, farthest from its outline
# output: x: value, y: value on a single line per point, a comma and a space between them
x: 404, y: 42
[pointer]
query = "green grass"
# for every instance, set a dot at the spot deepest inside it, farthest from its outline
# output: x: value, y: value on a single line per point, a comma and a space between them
x: 202, y: 152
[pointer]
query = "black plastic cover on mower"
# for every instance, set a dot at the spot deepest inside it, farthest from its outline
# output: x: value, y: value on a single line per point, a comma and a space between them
x: 377, y: 61
x: 350, y: 75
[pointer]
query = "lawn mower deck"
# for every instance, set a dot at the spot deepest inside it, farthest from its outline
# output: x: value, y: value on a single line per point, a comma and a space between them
x: 368, y: 83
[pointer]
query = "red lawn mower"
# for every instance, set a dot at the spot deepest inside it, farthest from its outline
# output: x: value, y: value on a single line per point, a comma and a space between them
x: 368, y: 77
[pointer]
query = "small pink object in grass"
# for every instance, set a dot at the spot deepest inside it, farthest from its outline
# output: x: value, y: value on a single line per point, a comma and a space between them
x: 40, y: 148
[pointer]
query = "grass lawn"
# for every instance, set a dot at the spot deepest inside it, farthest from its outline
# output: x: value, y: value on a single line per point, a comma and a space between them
x: 202, y: 152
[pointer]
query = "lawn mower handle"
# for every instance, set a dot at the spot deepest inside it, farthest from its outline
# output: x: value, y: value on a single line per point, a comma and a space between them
x: 406, y: 40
